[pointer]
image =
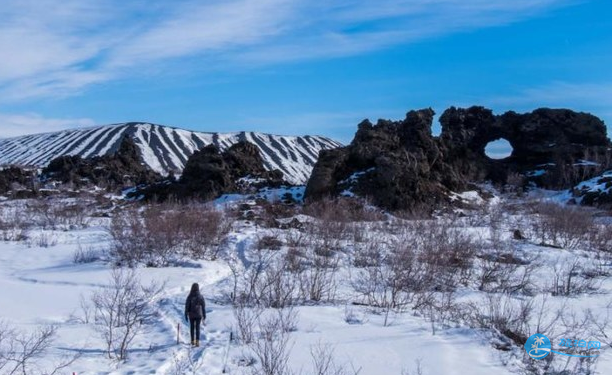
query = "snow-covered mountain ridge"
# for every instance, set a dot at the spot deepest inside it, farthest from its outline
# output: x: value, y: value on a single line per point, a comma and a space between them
x: 165, y: 149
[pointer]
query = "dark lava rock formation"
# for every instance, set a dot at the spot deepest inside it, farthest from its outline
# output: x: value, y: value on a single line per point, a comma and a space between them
x: 400, y: 165
x: 15, y: 178
x: 122, y: 169
x: 596, y: 191
x: 210, y: 173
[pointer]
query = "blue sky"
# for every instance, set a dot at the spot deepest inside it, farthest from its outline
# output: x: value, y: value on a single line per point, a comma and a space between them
x: 295, y: 66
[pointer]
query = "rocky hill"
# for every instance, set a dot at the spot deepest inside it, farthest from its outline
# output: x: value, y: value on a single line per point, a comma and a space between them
x: 164, y: 149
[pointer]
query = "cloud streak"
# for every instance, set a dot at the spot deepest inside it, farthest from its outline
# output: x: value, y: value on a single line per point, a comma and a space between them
x: 19, y: 124
x: 60, y: 48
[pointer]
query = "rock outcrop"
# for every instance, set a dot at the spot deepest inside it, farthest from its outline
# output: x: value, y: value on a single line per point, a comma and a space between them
x: 122, y: 169
x: 400, y: 165
x: 15, y: 178
x: 210, y: 173
x: 596, y: 191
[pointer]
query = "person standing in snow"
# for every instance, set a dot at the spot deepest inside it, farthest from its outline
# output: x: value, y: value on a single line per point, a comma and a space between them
x: 195, y: 313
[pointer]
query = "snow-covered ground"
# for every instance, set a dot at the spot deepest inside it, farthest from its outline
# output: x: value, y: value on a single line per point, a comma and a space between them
x: 44, y: 286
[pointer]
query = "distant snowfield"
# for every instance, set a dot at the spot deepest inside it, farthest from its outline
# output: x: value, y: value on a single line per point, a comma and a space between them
x: 165, y: 149
x: 43, y: 286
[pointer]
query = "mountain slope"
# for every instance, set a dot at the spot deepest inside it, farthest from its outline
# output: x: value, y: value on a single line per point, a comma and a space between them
x: 165, y: 149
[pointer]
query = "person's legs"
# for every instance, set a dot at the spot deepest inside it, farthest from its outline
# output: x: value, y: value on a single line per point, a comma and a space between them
x: 198, y: 322
x: 192, y: 325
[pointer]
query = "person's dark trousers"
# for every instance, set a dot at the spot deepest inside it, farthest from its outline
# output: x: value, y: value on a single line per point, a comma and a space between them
x: 195, y: 326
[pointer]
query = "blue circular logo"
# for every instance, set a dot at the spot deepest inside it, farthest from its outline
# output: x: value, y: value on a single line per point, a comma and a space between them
x: 538, y: 346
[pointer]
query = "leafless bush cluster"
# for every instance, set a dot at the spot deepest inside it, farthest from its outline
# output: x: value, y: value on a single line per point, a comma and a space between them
x: 513, y: 320
x: 421, y: 269
x: 418, y: 369
x: 448, y: 250
x: 271, y: 344
x: 122, y: 310
x: 266, y: 282
x: 269, y: 241
x: 562, y: 226
x: 281, y: 280
x: 324, y: 361
x: 87, y: 254
x: 58, y: 214
x: 343, y: 209
x: 186, y: 364
x: 507, y: 316
x: 572, y: 277
x: 501, y: 269
x: 21, y: 353
x: 317, y: 275
x: 157, y: 234
x: 601, y: 239
x: 270, y: 212
x: 13, y: 224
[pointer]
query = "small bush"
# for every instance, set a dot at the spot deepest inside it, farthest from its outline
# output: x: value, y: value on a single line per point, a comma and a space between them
x: 160, y: 234
x: 271, y: 242
x: 562, y: 226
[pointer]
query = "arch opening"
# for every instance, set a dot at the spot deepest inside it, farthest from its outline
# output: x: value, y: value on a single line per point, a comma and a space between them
x: 498, y: 149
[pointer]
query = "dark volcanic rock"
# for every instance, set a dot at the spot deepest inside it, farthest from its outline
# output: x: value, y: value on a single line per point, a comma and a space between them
x: 596, y: 191
x: 122, y: 169
x: 15, y: 178
x: 400, y: 165
x: 210, y: 173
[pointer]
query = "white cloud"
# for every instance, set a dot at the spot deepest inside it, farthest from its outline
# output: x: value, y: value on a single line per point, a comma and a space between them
x: 12, y: 125
x: 60, y: 47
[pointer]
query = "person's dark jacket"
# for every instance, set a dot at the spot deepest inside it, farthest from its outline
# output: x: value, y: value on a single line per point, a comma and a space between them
x: 195, y: 307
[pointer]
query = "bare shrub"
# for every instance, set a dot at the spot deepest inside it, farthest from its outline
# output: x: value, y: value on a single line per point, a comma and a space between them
x: 504, y: 315
x: 270, y: 242
x: 128, y: 233
x: 276, y: 287
x: 203, y: 228
x: 317, y: 279
x: 351, y: 316
x: 439, y: 308
x: 122, y: 310
x: 417, y: 370
x: 186, y: 363
x: 562, y: 226
x: 42, y: 239
x: 13, y: 224
x: 388, y: 283
x: 343, y: 209
x: 272, y: 346
x: 270, y: 212
x: 324, y: 363
x: 246, y: 320
x: 162, y: 233
x: 21, y: 353
x: 267, y: 282
x: 600, y: 239
x: 326, y: 236
x: 447, y: 250
x: 502, y: 270
x: 89, y: 254
x: 569, y: 278
x: 294, y: 238
x: 367, y: 254
x: 56, y: 214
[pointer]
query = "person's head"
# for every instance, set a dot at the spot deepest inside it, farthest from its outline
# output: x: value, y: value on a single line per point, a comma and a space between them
x: 195, y: 288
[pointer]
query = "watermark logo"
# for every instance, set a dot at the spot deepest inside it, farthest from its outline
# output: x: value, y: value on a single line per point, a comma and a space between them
x: 538, y: 346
